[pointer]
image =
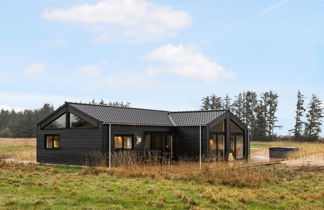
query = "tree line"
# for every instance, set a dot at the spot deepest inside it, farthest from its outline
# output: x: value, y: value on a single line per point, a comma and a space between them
x: 259, y: 113
x: 23, y: 124
x: 308, y: 120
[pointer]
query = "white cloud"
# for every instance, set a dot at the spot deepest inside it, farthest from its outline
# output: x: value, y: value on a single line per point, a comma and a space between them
x: 140, y: 20
x: 188, y: 62
x: 90, y: 71
x: 35, y: 69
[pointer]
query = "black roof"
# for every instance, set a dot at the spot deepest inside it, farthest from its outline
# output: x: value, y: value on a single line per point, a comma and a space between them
x: 194, y: 118
x: 136, y: 116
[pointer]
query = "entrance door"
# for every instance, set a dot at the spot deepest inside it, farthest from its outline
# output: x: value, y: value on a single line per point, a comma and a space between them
x: 161, y: 142
x: 237, y: 146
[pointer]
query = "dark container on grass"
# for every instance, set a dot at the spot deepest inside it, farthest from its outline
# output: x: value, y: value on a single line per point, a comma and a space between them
x: 281, y: 152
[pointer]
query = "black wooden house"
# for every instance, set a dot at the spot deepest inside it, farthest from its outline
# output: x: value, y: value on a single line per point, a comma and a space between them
x: 76, y: 130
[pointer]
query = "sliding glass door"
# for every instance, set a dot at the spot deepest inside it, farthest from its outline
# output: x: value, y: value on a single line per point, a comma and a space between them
x: 237, y: 146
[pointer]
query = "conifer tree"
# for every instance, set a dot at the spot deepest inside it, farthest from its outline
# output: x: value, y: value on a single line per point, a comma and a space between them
x: 260, y: 124
x: 238, y: 106
x: 205, y: 103
x: 215, y: 102
x: 227, y: 102
x: 313, y: 119
x: 300, y: 110
x: 250, y: 108
x: 272, y: 106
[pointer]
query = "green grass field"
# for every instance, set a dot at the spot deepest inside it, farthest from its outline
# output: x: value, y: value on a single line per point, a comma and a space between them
x: 258, y: 187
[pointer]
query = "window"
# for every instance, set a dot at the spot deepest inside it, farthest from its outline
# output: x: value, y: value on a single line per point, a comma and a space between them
x: 212, y: 143
x: 58, y: 123
x: 235, y: 128
x: 138, y: 140
x: 77, y: 122
x: 123, y: 142
x: 219, y: 127
x: 239, y: 147
x: 52, y: 141
x: 220, y: 146
x: 128, y: 142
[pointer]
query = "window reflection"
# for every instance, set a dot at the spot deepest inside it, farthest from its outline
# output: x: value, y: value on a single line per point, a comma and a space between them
x: 235, y: 128
x: 219, y: 127
x: 77, y: 122
x: 58, y: 123
x: 239, y: 147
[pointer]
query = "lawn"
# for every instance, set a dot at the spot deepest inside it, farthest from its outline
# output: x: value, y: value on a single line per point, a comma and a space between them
x: 256, y: 187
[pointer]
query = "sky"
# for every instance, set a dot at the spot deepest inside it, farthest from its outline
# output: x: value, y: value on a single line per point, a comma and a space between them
x: 160, y: 54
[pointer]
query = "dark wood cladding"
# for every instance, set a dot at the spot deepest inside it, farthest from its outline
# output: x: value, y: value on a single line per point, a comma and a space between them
x: 75, y: 145
x: 187, y: 141
x: 133, y: 130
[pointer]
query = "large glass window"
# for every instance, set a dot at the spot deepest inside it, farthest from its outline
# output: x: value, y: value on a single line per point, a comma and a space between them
x: 58, y: 123
x: 220, y: 146
x: 77, y: 122
x: 232, y: 144
x: 239, y: 147
x: 52, y: 142
x: 218, y: 127
x: 123, y: 142
x: 212, y: 144
x: 235, y: 128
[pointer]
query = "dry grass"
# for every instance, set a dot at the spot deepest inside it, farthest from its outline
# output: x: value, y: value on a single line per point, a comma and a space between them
x: 18, y: 148
x: 130, y: 165
x: 236, y: 177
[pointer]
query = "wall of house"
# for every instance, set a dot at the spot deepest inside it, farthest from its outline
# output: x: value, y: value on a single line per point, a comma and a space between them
x: 76, y: 145
x: 187, y: 141
x: 133, y: 130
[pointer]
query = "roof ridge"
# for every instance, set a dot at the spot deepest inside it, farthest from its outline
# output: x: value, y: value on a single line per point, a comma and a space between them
x: 105, y: 105
x: 215, y: 110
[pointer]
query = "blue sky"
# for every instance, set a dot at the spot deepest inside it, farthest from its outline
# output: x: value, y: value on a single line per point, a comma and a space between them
x: 160, y: 54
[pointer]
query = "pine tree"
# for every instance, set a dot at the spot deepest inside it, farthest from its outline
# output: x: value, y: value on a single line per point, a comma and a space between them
x: 272, y: 105
x: 227, y: 102
x: 237, y: 106
x: 260, y: 124
x: 300, y: 110
x: 215, y: 102
x: 250, y: 107
x: 314, y: 117
x: 205, y: 103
